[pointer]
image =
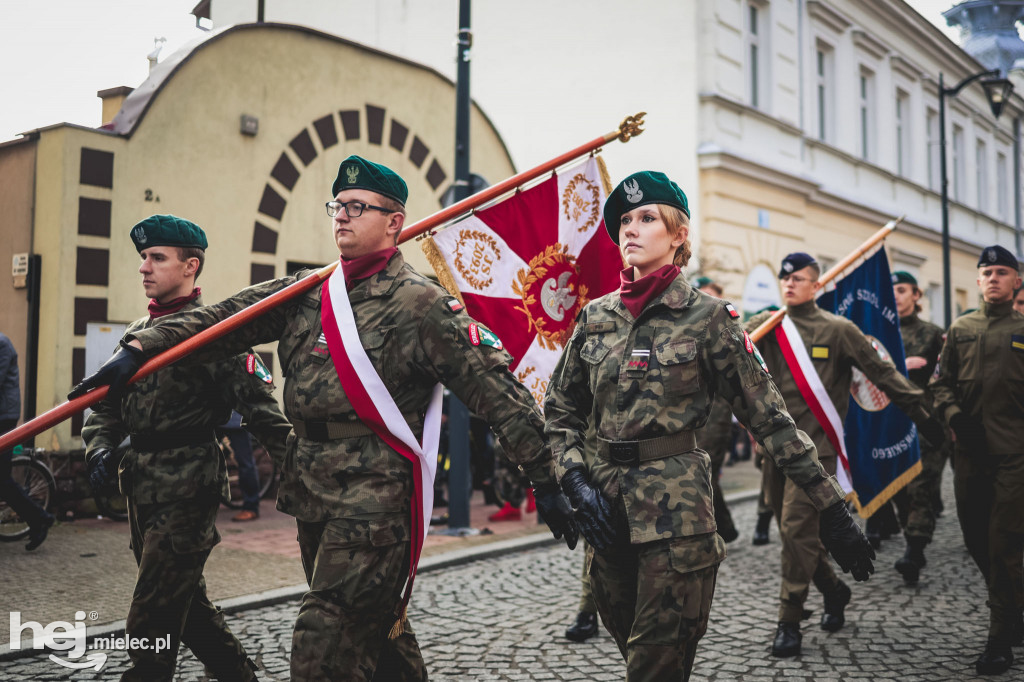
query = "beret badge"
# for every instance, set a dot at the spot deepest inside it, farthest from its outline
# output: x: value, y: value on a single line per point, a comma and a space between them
x: 633, y: 191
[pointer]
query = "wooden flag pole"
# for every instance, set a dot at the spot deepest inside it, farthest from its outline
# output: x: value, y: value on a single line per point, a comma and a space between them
x: 630, y: 127
x: 833, y: 272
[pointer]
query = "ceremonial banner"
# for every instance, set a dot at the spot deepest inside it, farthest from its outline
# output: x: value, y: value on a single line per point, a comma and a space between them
x: 525, y: 267
x: 881, y: 441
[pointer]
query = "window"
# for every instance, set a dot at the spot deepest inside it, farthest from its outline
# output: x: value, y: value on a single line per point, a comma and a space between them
x: 1002, y: 200
x: 981, y: 174
x: 902, y: 133
x: 757, y: 54
x: 824, y: 93
x: 867, y: 113
x: 932, y: 121
x: 958, y: 163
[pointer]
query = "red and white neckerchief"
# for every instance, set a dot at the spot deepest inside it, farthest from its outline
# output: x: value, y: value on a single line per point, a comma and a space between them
x: 377, y: 409
x: 815, y: 395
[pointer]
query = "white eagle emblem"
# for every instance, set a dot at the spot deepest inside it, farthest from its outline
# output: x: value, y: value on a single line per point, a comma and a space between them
x: 140, y: 234
x: 633, y: 192
x: 352, y: 173
x: 787, y: 266
x: 992, y: 256
x: 557, y: 298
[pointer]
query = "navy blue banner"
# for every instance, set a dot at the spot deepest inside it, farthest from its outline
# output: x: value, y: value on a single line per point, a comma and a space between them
x: 881, y: 441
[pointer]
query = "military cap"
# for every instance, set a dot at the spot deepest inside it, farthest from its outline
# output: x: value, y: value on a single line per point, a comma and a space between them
x: 640, y: 189
x: 167, y: 230
x: 903, y: 277
x: 355, y: 172
x: 997, y: 255
x: 795, y: 261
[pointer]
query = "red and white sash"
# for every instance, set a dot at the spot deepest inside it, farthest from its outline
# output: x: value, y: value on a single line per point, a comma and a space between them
x: 377, y: 409
x: 815, y: 395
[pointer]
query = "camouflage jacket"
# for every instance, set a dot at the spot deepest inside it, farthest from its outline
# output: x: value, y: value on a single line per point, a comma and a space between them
x: 415, y: 336
x: 696, y: 351
x: 982, y: 374
x: 715, y: 436
x: 185, y: 398
x: 922, y: 339
x: 836, y: 346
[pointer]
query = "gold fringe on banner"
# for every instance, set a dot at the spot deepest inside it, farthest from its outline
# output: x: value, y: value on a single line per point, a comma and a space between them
x: 605, y: 178
x: 398, y: 629
x: 881, y: 498
x: 444, y: 275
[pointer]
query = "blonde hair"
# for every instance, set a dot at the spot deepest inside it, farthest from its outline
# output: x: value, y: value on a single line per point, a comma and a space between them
x: 675, y: 220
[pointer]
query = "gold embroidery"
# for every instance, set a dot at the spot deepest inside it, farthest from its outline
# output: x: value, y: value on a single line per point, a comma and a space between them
x: 473, y: 244
x: 561, y: 298
x: 582, y: 198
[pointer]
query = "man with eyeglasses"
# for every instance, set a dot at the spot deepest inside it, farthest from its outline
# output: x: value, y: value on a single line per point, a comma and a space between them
x: 980, y: 392
x: 351, y: 491
x: 835, y: 346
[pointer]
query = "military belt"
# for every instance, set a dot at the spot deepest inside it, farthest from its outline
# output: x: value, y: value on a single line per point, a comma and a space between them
x: 632, y: 452
x: 167, y: 440
x: 320, y: 430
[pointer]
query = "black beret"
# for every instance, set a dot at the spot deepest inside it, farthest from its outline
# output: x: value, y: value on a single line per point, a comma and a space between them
x: 640, y: 189
x: 355, y: 172
x: 997, y: 255
x: 167, y: 230
x: 795, y: 261
x: 903, y: 277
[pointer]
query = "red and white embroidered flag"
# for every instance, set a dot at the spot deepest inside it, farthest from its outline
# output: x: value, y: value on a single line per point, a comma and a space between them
x: 526, y: 266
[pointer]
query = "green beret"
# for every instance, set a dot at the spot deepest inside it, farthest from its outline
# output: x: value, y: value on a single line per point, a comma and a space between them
x: 702, y: 281
x: 903, y: 277
x: 167, y: 230
x: 640, y: 189
x: 355, y: 172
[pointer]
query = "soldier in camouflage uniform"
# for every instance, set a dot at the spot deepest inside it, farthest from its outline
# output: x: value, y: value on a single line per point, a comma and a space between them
x: 643, y: 366
x: 922, y: 342
x: 174, y: 473
x: 835, y: 346
x: 349, y: 491
x: 980, y: 392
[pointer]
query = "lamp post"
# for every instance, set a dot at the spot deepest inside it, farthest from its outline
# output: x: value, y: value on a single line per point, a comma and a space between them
x: 997, y: 90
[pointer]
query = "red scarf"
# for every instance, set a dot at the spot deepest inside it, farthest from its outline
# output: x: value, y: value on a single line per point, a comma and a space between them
x: 636, y: 295
x: 362, y: 267
x: 158, y: 309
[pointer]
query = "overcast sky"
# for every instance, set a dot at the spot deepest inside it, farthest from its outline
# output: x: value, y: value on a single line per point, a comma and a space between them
x: 56, y: 54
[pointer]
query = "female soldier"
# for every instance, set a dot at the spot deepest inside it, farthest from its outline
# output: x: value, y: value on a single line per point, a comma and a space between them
x: 643, y: 367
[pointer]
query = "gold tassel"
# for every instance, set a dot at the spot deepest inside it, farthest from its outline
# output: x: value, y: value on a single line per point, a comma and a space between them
x: 886, y: 494
x: 398, y: 629
x: 444, y: 275
x: 605, y: 179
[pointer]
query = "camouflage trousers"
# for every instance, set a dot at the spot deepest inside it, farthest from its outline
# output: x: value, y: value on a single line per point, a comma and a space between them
x: 586, y: 592
x: 655, y: 600
x: 915, y: 503
x: 356, y: 569
x: 723, y: 517
x: 804, y: 559
x: 509, y: 482
x: 171, y: 542
x: 990, y: 504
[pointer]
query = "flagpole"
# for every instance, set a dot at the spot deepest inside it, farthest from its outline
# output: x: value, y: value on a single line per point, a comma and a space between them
x: 832, y: 273
x: 630, y: 127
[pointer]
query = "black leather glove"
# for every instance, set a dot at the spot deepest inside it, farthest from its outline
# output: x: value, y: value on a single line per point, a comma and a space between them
x: 845, y: 541
x: 970, y: 433
x: 116, y: 371
x: 553, y: 506
x: 932, y: 432
x: 102, y: 469
x: 593, y: 513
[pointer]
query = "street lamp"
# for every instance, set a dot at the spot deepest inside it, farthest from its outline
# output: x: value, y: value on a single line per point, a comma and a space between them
x: 997, y: 90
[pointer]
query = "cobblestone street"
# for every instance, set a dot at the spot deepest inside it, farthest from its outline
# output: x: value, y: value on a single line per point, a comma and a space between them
x: 503, y: 618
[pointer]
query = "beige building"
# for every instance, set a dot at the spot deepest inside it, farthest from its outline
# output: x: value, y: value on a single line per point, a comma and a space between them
x: 241, y: 132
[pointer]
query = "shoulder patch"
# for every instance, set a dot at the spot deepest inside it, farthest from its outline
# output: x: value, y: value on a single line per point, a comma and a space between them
x: 454, y: 304
x: 752, y: 349
x: 255, y: 366
x: 482, y: 336
x: 732, y: 311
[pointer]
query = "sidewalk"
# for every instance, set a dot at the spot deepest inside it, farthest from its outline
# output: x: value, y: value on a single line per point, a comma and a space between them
x: 86, y: 565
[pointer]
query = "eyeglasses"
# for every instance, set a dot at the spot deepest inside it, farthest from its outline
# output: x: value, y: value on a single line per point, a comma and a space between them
x: 795, y: 279
x: 354, y: 209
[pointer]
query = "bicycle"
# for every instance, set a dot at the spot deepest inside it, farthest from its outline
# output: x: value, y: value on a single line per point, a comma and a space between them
x: 36, y: 479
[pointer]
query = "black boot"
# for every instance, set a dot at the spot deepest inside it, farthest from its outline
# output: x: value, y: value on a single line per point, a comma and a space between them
x: 37, y: 533
x: 835, y: 608
x: 764, y: 520
x: 995, y: 659
x: 912, y: 561
x: 874, y: 531
x: 584, y: 628
x: 787, y: 640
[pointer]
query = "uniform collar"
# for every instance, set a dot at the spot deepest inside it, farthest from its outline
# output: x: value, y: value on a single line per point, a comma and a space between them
x: 911, y: 320
x: 997, y: 309
x: 805, y: 309
x: 679, y: 295
x: 379, y: 283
